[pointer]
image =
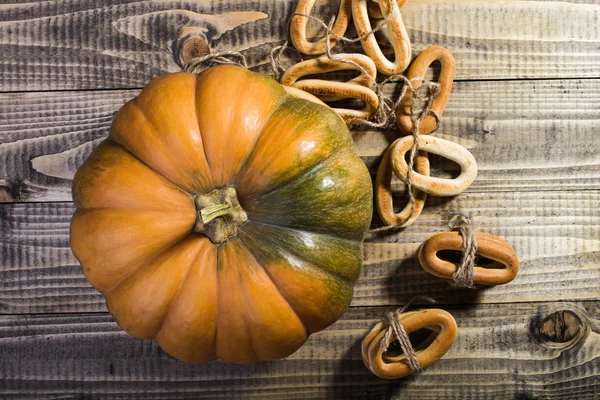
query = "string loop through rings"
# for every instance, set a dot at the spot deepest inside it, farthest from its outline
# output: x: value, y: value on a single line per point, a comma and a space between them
x: 324, y: 64
x: 299, y: 22
x: 444, y: 330
x: 445, y: 148
x: 357, y: 88
x: 416, y: 73
x: 383, y: 192
x: 394, y: 29
x: 197, y: 65
x: 503, y: 269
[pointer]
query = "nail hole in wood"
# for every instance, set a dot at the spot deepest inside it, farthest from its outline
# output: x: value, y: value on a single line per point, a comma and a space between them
x: 14, y: 191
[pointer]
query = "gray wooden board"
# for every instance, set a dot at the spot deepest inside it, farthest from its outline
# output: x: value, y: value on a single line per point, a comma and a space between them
x: 88, y: 44
x: 555, y: 234
x: 525, y: 135
x: 538, y: 187
x: 513, y: 351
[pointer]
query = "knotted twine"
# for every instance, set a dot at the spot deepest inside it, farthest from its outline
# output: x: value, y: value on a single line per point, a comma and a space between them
x: 199, y: 64
x: 275, y: 57
x: 385, y: 113
x: 397, y: 332
x: 463, y: 276
x: 432, y: 89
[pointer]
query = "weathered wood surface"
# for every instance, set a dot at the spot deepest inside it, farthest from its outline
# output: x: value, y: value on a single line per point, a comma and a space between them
x: 122, y: 44
x: 555, y: 234
x: 539, y: 188
x: 531, y: 135
x: 523, y: 351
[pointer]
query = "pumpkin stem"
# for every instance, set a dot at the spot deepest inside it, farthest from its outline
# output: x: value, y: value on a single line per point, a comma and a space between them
x: 211, y: 212
x: 219, y: 214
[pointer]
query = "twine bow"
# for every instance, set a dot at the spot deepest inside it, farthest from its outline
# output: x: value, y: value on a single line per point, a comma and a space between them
x: 199, y: 64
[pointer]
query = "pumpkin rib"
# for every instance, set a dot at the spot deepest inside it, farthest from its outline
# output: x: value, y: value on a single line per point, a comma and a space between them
x: 130, y: 257
x: 200, y: 130
x: 140, y: 267
x: 217, y: 301
x: 152, y: 124
x: 315, y: 168
x: 194, y: 247
x: 252, y: 149
x: 315, y: 272
x: 278, y: 290
x: 185, y: 276
x: 265, y: 312
x: 164, y: 180
x: 291, y: 181
x: 308, y: 331
x: 188, y: 332
x: 299, y: 119
x: 333, y: 235
x: 250, y: 349
x: 332, y: 274
x: 272, y: 97
x: 269, y: 208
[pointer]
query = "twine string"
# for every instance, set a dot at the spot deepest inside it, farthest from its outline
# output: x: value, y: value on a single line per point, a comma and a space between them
x: 432, y: 90
x: 275, y: 57
x: 199, y: 64
x: 385, y: 113
x: 463, y: 276
x: 397, y: 332
x: 329, y: 31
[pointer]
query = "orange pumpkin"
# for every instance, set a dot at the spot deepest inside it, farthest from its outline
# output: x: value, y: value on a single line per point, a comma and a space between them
x: 222, y: 216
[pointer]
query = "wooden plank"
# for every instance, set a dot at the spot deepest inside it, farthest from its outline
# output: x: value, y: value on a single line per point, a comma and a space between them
x: 555, y: 234
x: 523, y: 351
x: 527, y: 136
x: 122, y: 44
x: 44, y: 137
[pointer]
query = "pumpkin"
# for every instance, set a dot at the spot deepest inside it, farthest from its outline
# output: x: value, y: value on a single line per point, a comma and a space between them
x: 223, y: 217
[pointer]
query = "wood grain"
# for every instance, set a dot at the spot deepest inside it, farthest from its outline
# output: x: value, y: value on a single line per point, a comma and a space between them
x: 123, y: 44
x: 538, y: 187
x: 555, y: 234
x: 526, y: 136
x: 501, y: 352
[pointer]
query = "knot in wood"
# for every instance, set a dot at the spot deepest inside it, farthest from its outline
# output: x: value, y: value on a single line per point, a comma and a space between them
x: 14, y: 191
x: 190, y: 46
x: 559, y: 329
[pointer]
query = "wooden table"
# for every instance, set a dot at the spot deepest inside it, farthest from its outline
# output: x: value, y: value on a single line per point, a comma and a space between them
x: 526, y: 103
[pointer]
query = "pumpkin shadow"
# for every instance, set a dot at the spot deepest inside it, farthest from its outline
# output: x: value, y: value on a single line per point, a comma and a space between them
x: 352, y: 380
